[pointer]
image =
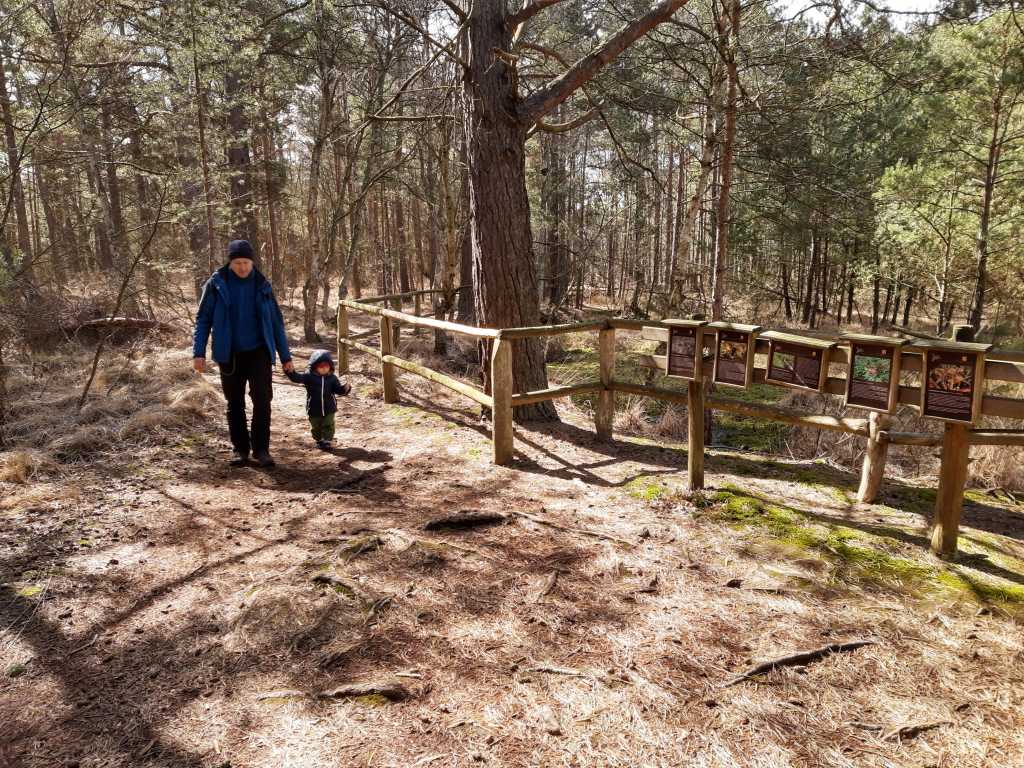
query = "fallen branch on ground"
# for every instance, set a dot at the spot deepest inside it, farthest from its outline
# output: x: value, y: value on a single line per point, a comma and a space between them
x: 340, y: 584
x: 798, y: 659
x: 289, y: 694
x: 568, y: 671
x: 910, y: 731
x: 391, y: 690
x: 570, y: 529
x: 464, y: 520
x: 358, y: 546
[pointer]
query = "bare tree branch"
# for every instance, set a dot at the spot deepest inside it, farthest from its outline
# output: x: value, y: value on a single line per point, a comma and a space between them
x: 528, y: 11
x: 590, y: 114
x: 546, y: 99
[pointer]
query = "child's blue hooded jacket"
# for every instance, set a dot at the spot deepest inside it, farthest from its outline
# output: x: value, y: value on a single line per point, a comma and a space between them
x: 321, y: 391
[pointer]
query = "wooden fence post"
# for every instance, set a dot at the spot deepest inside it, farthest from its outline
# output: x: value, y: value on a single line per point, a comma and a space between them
x: 416, y: 309
x: 873, y: 469
x: 501, y: 392
x: 949, y: 500
x: 387, y: 370
x: 396, y: 328
x: 956, y: 450
x: 342, y: 334
x: 604, y: 414
x: 695, y: 433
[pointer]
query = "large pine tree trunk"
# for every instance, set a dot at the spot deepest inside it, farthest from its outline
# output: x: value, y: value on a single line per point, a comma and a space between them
x: 504, y: 274
x: 243, y: 220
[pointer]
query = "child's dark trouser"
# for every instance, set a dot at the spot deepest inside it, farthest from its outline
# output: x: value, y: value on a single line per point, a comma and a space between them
x: 252, y: 368
x: 322, y: 427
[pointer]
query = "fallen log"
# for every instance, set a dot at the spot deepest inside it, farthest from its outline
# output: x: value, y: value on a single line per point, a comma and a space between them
x: 798, y: 659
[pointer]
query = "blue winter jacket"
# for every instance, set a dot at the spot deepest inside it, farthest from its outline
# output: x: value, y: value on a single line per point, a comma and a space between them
x: 214, y: 315
x: 321, y: 391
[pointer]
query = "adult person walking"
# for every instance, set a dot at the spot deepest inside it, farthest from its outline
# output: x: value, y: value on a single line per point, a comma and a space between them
x: 238, y: 305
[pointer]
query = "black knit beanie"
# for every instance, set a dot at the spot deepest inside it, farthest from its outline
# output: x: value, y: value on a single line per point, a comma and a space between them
x: 240, y: 249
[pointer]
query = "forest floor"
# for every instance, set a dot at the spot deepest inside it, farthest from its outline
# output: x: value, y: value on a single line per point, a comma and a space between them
x: 161, y: 609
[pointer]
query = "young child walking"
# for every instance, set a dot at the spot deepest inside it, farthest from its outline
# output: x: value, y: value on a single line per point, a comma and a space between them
x: 321, y: 388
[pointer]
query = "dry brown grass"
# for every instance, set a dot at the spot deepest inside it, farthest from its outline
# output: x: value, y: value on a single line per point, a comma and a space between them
x: 21, y: 466
x: 671, y: 424
x: 133, y: 401
x: 631, y: 415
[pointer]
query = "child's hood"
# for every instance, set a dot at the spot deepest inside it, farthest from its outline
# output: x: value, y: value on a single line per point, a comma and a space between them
x: 320, y: 356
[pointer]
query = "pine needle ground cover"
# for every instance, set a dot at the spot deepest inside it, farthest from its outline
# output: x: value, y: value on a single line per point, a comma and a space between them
x: 160, y: 610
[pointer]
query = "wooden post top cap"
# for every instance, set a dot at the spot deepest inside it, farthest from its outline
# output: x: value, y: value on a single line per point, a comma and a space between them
x: 723, y: 326
x: 792, y: 338
x: 681, y: 323
x: 866, y: 338
x: 949, y: 346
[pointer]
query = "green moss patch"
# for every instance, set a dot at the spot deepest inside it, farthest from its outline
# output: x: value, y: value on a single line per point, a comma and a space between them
x: 646, y: 488
x: 876, y: 558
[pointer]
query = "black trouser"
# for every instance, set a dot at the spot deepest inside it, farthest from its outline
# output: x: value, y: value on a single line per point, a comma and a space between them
x: 253, y: 367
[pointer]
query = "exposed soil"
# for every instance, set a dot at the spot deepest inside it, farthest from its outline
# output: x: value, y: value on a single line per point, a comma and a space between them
x: 161, y: 609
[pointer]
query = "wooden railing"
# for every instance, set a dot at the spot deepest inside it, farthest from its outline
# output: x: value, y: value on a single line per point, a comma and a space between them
x: 875, y: 427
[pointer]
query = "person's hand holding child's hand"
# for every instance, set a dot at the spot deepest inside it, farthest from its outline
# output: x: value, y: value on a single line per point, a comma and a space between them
x: 199, y: 363
x: 288, y: 367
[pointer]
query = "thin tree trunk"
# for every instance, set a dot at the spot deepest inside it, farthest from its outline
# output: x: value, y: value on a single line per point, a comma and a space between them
x: 17, y: 191
x: 981, y: 240
x: 728, y: 142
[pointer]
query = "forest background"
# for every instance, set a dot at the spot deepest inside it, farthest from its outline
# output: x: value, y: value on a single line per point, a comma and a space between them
x: 827, y: 165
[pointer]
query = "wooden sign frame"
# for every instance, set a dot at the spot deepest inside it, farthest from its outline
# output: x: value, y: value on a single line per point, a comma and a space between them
x: 948, y: 364
x: 727, y: 373
x: 682, y: 334
x: 800, y: 348
x: 865, y: 392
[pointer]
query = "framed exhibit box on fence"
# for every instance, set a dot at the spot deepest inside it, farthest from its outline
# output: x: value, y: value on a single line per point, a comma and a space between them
x: 873, y: 375
x: 797, y: 361
x: 734, y: 353
x: 952, y: 379
x: 685, y: 348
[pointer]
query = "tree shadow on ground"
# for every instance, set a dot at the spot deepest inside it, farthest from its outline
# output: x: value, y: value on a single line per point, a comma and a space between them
x: 570, y: 434
x: 122, y: 693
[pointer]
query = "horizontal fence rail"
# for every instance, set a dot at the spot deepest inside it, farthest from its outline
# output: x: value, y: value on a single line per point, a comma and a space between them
x: 999, y: 366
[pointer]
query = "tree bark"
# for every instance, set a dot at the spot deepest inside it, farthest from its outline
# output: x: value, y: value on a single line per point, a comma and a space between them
x: 985, y: 215
x: 728, y: 141
x: 503, y: 265
x: 17, y: 191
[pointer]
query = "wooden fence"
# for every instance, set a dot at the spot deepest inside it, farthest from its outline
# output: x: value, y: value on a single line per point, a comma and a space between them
x: 955, y: 441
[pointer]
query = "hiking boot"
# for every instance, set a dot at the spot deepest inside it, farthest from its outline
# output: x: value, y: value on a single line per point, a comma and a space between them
x: 264, y: 459
x: 323, y: 445
x: 240, y: 460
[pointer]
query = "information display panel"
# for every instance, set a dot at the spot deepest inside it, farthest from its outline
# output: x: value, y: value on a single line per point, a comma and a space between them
x: 685, y: 348
x: 734, y: 353
x: 795, y: 361
x: 952, y: 380
x: 873, y: 375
